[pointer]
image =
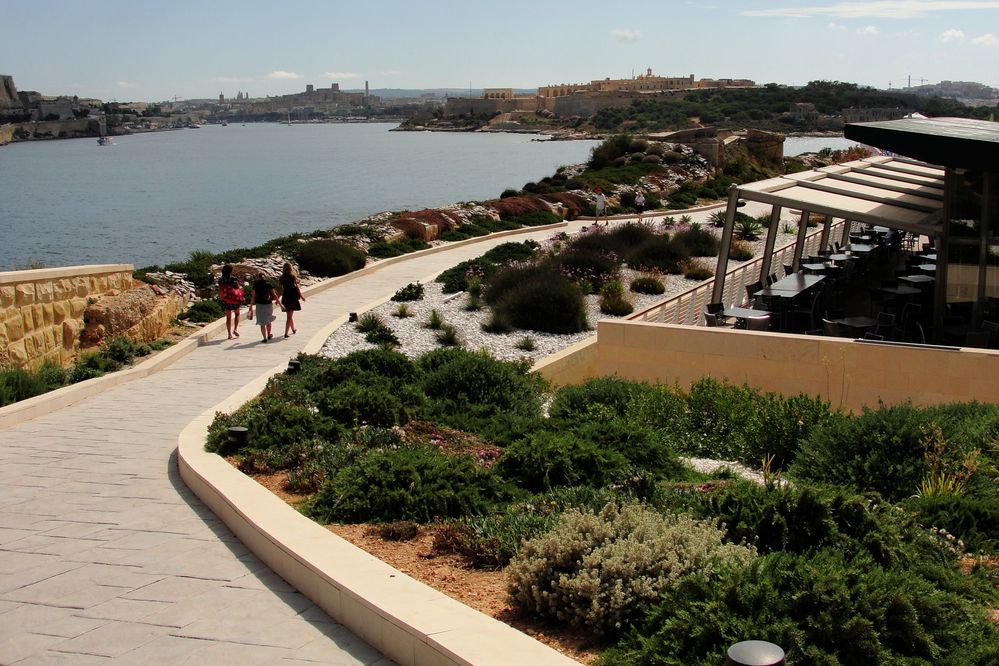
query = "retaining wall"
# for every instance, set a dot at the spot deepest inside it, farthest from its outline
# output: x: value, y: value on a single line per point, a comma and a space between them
x: 849, y: 373
x: 41, y: 311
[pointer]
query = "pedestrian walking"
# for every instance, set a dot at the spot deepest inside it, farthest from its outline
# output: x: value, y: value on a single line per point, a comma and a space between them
x: 291, y: 297
x: 640, y: 204
x: 231, y: 295
x: 262, y: 304
x: 601, y: 207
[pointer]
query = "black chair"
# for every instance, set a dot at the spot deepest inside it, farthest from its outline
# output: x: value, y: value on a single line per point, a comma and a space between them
x: 885, y: 325
x: 750, y: 290
x: 788, y: 269
x: 977, y: 339
x: 873, y: 336
x: 715, y: 308
x: 907, y: 324
x: 758, y: 324
x: 771, y: 279
x: 830, y: 328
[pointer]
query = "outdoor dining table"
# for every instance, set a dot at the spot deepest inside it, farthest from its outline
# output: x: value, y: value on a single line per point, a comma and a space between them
x: 917, y: 279
x: 745, y: 313
x: 900, y: 290
x: 858, y: 323
x: 861, y: 248
x: 839, y: 256
x: 791, y: 286
x: 927, y: 268
x: 929, y: 256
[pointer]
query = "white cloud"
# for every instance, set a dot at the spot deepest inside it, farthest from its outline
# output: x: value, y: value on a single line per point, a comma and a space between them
x: 626, y: 36
x: 894, y: 9
x: 278, y: 74
x: 123, y: 84
x: 342, y: 75
x: 868, y: 30
x: 988, y: 39
x: 951, y: 35
x: 836, y: 26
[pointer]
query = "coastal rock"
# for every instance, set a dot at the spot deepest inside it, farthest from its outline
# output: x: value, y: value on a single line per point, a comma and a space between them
x: 140, y: 314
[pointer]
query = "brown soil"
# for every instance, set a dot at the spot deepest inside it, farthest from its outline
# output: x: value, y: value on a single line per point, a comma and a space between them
x: 481, y: 589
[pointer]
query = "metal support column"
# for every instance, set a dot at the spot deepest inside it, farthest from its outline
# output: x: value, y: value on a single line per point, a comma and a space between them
x: 768, y: 249
x: 847, y: 225
x: 799, y: 244
x: 726, y: 245
x: 824, y: 241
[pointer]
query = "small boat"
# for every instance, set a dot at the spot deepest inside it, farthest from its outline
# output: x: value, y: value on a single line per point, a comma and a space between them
x: 105, y: 141
x: 225, y: 124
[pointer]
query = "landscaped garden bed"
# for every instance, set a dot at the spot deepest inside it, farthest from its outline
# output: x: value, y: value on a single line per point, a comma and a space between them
x: 866, y: 526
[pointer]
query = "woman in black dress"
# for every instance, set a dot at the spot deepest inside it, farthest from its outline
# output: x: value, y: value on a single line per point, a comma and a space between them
x: 291, y: 297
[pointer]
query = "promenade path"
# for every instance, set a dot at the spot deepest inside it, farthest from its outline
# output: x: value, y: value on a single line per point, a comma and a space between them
x: 107, y: 558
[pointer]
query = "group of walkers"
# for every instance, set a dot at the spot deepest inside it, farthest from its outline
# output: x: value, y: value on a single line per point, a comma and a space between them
x: 600, y: 206
x: 263, y: 296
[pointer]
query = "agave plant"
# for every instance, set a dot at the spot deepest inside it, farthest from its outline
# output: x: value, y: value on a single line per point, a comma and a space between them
x: 748, y: 229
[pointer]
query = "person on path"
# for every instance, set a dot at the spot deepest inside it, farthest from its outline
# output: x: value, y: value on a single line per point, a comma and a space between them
x: 231, y: 295
x: 601, y: 208
x: 640, y: 204
x: 291, y: 297
x: 263, y: 299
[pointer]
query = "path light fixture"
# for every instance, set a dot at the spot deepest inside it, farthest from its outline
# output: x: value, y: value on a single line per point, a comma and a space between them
x: 294, y: 366
x: 754, y: 653
x: 238, y: 437
x: 352, y: 317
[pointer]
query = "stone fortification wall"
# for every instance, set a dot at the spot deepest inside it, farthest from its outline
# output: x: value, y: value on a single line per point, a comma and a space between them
x: 581, y: 104
x: 6, y: 134
x: 57, y: 129
x: 42, y: 311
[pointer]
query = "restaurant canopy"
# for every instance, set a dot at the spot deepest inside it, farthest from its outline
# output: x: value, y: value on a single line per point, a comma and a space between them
x: 882, y: 191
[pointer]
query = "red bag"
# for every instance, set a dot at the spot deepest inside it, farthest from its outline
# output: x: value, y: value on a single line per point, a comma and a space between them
x: 231, y: 295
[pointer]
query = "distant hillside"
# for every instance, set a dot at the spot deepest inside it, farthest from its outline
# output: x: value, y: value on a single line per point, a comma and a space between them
x: 768, y: 107
x: 395, y: 93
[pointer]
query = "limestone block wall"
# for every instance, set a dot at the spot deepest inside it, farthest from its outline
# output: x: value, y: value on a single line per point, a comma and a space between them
x: 848, y: 373
x: 41, y: 311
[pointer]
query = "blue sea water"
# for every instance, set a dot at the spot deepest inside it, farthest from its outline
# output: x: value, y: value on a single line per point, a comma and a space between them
x: 155, y: 198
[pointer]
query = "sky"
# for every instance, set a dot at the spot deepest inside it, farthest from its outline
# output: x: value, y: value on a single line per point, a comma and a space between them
x: 143, y: 51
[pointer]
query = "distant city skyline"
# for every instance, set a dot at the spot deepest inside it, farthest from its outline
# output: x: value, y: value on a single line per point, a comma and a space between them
x: 117, y: 50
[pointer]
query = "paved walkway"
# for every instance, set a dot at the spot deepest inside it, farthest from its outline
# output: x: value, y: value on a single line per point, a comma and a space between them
x: 105, y: 555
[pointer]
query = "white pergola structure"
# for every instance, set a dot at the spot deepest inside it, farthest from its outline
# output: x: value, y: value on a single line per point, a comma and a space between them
x: 892, y: 192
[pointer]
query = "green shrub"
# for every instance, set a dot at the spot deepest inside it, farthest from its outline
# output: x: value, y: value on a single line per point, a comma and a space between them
x: 647, y: 285
x: 747, y: 228
x: 546, y: 459
x: 699, y: 273
x: 272, y: 423
x: 472, y: 391
x: 974, y: 520
x: 599, y: 571
x: 407, y: 483
x: 455, y: 279
x: 538, y: 299
x: 700, y: 242
x: 822, y: 608
x: 527, y: 344
x: 18, y: 384
x: 203, y: 311
x: 882, y: 450
x: 613, y: 301
x: 122, y: 351
x: 533, y: 219
x: 507, y: 252
x: 448, y: 336
x: 659, y: 254
x: 589, y: 265
x: 739, y: 251
x: 403, y: 311
x: 507, y: 193
x: 573, y: 402
x: 376, y: 403
x: 328, y: 258
x: 435, y: 320
x: 384, y: 250
x: 411, y: 292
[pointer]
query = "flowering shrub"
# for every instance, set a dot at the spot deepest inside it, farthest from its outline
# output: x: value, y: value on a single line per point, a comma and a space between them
x: 598, y: 571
